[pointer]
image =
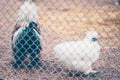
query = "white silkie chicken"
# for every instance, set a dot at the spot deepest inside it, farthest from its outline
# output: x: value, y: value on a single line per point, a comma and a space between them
x: 80, y: 54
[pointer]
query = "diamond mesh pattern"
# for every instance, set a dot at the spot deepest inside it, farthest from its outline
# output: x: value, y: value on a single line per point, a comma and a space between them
x: 60, y: 21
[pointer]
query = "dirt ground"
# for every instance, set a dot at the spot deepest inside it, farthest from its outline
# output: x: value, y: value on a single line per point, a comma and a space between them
x: 60, y: 21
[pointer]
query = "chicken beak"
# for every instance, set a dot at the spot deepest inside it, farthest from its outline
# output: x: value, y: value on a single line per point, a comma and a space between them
x: 94, y: 39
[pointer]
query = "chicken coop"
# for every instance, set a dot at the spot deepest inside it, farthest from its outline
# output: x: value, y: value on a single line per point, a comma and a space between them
x: 63, y: 26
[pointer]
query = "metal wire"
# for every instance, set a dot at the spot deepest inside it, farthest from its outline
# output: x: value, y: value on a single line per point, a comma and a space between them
x: 51, y: 45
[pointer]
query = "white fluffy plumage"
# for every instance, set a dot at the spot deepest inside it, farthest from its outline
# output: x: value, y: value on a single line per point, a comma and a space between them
x: 79, y: 54
x: 28, y: 13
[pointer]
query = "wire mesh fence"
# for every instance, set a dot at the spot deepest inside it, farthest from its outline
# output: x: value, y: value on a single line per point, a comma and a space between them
x: 59, y: 44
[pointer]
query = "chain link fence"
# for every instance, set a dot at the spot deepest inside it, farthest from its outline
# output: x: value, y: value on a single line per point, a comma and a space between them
x: 61, y: 21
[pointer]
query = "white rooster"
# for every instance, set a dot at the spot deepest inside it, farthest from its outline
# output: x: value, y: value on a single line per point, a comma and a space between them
x: 80, y: 54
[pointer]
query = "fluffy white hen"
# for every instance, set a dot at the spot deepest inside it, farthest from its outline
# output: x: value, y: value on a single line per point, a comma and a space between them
x: 80, y: 54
